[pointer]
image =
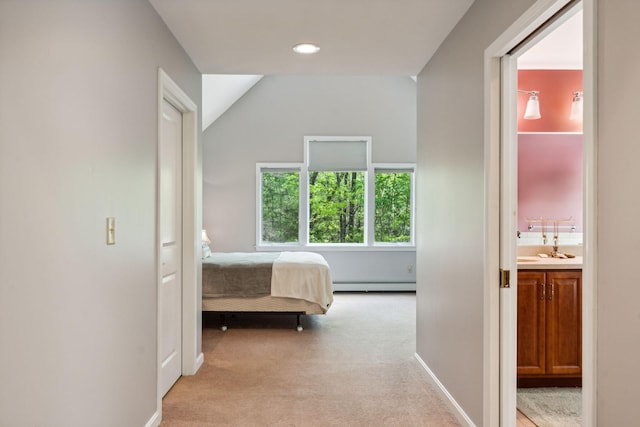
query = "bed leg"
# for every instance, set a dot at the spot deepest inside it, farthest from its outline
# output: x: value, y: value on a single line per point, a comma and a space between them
x: 223, y: 322
x: 299, y: 326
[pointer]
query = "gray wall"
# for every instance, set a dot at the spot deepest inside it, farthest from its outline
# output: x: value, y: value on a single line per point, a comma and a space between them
x: 78, y: 135
x: 451, y: 203
x: 618, y: 307
x: 450, y: 165
x: 268, y: 124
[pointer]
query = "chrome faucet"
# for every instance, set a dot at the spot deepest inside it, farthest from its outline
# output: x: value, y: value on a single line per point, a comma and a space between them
x: 554, y: 251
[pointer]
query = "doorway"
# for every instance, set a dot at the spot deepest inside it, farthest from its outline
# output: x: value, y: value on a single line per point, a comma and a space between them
x: 501, y: 84
x: 550, y: 223
x: 189, y: 207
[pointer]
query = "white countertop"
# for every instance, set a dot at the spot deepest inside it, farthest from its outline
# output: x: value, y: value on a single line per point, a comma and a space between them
x: 534, y: 262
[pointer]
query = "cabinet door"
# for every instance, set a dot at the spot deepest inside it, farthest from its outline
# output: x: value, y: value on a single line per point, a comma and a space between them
x: 531, y: 322
x: 564, y: 322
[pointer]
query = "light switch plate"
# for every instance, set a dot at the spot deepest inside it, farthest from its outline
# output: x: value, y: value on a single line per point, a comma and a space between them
x: 111, y: 231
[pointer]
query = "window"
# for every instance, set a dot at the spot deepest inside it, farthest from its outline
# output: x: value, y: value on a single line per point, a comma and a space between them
x: 337, y: 186
x: 393, y: 198
x: 336, y: 197
x: 280, y: 205
x: 336, y: 207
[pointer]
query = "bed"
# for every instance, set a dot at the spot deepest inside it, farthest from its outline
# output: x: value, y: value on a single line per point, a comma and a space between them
x: 266, y: 282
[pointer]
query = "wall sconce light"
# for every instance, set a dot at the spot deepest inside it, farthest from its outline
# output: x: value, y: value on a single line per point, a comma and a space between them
x: 576, y: 106
x: 532, y: 112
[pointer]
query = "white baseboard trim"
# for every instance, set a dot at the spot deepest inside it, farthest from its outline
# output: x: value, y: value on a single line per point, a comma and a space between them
x: 199, y: 363
x: 192, y: 369
x: 455, y: 407
x: 374, y: 287
x: 154, y: 421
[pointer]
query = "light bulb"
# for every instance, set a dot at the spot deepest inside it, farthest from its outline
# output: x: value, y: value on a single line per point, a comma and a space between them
x: 532, y: 112
x: 576, y: 107
x: 306, y: 48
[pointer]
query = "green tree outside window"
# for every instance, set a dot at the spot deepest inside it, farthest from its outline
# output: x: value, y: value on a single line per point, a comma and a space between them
x: 336, y: 207
x: 393, y: 207
x: 280, y: 207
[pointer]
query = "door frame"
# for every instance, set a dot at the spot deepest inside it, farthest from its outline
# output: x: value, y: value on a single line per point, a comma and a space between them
x: 499, y: 353
x: 192, y: 356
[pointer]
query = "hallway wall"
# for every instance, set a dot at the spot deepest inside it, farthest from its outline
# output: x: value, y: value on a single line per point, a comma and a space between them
x: 618, y: 151
x: 451, y: 203
x: 78, y: 138
x: 451, y: 171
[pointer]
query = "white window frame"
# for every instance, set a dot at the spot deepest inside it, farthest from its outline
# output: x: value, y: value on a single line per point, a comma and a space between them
x: 286, y: 167
x: 303, y: 213
x: 367, y: 186
x: 403, y: 168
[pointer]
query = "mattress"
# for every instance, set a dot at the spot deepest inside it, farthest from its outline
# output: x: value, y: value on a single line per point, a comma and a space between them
x: 267, y: 282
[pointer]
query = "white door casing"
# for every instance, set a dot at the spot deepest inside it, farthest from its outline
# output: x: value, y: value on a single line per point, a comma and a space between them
x: 500, y: 335
x: 191, y: 211
x: 170, y: 218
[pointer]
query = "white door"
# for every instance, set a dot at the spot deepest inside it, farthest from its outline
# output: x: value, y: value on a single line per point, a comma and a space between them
x: 170, y: 287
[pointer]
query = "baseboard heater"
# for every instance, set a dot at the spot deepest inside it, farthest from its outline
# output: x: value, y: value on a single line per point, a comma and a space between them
x: 374, y: 287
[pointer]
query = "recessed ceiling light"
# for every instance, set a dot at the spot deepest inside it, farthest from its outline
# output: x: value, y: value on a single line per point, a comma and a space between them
x: 306, y: 48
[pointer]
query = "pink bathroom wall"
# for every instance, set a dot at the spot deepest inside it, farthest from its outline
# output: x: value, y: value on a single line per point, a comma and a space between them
x: 550, y: 178
x: 556, y: 89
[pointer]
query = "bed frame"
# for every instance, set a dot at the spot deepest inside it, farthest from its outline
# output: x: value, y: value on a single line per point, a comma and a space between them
x: 268, y: 304
x: 295, y: 305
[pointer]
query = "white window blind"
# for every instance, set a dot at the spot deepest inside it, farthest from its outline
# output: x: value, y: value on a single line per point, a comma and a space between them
x: 338, y: 156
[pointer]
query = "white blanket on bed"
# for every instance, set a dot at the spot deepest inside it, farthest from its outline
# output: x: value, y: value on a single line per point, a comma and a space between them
x: 302, y: 275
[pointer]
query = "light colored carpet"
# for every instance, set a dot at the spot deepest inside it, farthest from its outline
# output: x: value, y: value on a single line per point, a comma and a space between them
x: 354, y: 366
x: 552, y: 406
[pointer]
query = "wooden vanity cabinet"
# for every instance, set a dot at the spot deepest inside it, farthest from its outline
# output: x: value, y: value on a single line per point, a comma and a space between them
x: 549, y: 325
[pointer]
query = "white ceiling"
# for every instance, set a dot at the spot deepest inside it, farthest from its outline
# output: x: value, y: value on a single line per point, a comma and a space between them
x: 356, y: 37
x: 560, y: 50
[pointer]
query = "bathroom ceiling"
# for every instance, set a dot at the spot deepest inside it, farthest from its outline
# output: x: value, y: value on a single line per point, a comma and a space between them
x: 560, y: 50
x: 356, y: 37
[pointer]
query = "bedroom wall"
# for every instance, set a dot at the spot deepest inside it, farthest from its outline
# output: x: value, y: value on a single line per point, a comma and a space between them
x: 451, y: 202
x: 78, y: 135
x: 268, y: 124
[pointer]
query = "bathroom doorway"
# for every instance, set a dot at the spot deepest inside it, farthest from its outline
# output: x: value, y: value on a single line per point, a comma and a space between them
x: 550, y: 225
x: 502, y: 223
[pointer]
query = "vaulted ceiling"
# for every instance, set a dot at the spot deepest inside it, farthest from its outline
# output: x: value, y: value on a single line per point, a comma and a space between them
x: 356, y: 37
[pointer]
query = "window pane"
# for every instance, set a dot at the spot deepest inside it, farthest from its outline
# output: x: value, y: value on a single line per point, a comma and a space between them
x: 280, y: 206
x: 336, y: 207
x: 393, y: 207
